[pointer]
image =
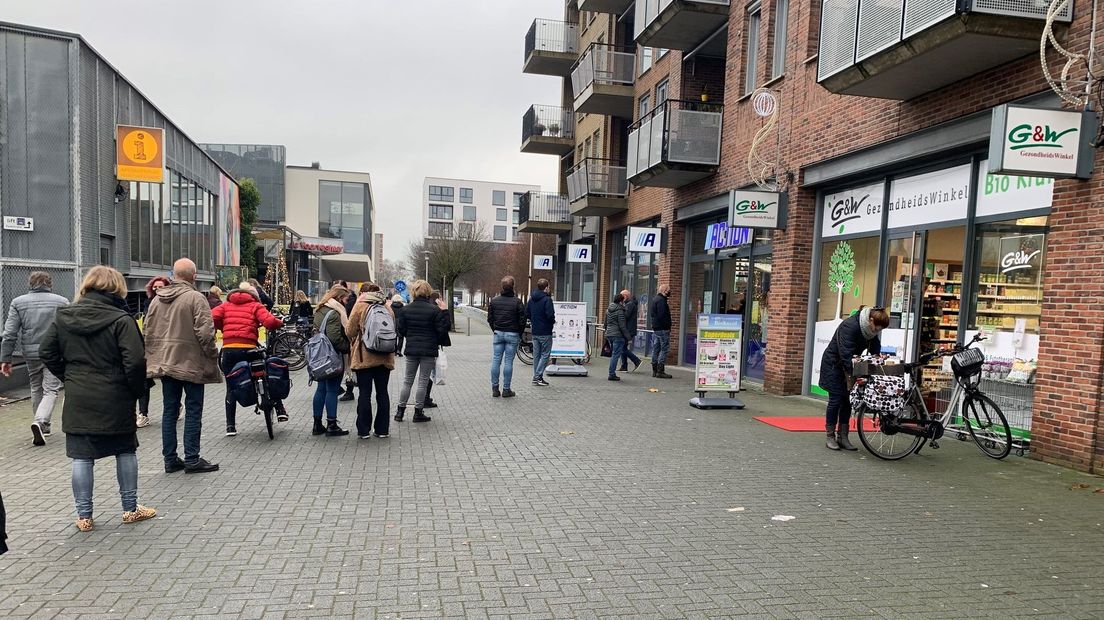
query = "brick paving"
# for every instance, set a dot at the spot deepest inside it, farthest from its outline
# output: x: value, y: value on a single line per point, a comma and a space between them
x: 581, y: 500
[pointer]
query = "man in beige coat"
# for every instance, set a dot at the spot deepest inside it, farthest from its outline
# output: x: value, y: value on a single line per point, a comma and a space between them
x: 181, y: 351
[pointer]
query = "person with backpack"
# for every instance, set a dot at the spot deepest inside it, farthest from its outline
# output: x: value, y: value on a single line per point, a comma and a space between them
x: 373, y: 338
x: 240, y: 319
x: 542, y: 314
x: 326, y: 352
x: 425, y: 327
x: 506, y: 316
x: 350, y: 377
x: 397, y: 305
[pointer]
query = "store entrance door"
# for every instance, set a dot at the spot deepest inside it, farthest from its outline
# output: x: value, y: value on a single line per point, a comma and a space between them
x: 902, y: 293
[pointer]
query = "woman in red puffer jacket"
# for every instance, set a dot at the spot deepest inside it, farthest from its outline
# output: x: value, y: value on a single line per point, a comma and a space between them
x: 240, y: 318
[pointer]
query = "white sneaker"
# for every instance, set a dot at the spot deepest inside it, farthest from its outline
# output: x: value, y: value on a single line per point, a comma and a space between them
x: 143, y: 421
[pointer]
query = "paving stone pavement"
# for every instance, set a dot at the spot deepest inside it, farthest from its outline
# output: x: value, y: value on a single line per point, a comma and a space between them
x: 581, y: 500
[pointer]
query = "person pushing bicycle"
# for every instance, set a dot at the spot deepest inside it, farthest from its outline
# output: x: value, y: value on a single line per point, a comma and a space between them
x: 240, y: 320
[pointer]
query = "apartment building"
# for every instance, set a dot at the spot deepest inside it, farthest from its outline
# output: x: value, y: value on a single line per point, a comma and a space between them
x: 460, y: 206
x: 875, y: 129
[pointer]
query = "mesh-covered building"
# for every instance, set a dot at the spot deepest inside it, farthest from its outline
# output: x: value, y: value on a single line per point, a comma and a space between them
x: 264, y: 163
x: 60, y: 102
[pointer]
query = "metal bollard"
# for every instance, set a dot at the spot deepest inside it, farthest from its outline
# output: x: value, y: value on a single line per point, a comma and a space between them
x: 469, y: 326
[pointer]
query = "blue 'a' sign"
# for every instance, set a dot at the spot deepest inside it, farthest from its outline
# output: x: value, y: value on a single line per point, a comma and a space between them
x: 646, y: 240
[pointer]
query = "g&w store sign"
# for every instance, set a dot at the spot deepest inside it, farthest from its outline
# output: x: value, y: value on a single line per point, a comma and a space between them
x: 749, y: 209
x: 853, y: 211
x: 942, y: 196
x: 1042, y: 142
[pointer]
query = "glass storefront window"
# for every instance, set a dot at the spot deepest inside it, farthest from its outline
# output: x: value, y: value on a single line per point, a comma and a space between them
x: 756, y: 351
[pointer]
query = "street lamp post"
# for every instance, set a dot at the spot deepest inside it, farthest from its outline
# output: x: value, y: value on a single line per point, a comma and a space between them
x: 427, y: 253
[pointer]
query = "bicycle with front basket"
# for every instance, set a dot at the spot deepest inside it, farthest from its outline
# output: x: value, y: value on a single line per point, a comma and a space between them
x: 897, y: 434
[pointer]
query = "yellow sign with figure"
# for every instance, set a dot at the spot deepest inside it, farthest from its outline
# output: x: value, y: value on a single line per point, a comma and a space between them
x: 139, y: 153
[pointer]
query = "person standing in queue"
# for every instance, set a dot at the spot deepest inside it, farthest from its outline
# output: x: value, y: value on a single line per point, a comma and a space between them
x: 94, y: 346
x: 632, y: 313
x: 660, y: 316
x: 617, y: 333
x: 425, y: 327
x: 396, y: 306
x: 331, y: 314
x: 857, y: 333
x: 372, y: 368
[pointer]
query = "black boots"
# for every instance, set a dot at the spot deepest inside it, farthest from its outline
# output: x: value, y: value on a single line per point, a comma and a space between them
x: 400, y: 413
x: 831, y: 443
x: 319, y: 428
x: 661, y: 372
x: 655, y: 369
x: 421, y: 417
x: 348, y: 395
x: 841, y: 437
x: 333, y: 430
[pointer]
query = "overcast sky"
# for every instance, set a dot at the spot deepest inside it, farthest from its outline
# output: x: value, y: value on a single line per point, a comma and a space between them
x: 402, y: 89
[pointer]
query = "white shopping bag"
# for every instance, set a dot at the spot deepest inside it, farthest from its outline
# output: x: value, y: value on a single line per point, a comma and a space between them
x: 440, y: 368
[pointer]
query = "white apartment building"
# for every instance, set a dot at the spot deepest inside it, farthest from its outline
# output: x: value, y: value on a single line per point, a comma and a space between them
x: 334, y: 212
x: 449, y: 205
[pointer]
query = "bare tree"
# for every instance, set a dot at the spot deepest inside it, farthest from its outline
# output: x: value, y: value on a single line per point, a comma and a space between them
x: 505, y: 259
x: 451, y: 258
x: 388, y: 272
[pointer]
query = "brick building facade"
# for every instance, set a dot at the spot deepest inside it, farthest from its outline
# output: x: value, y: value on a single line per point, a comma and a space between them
x: 827, y: 142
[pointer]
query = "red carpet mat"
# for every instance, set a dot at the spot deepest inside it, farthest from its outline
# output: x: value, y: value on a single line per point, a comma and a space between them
x: 798, y: 424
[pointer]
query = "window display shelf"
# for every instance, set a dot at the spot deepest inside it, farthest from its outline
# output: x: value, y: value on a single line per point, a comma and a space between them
x: 1008, y: 297
x: 1031, y: 314
x: 945, y: 281
x: 942, y: 294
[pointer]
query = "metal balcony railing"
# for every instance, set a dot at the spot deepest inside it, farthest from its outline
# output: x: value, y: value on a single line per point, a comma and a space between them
x: 603, y: 64
x: 682, y: 132
x: 546, y: 35
x: 548, y: 121
x: 597, y: 177
x: 543, y: 207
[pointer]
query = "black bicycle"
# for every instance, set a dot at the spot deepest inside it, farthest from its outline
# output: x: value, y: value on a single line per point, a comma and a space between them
x: 893, y: 435
x: 258, y: 371
x: 289, y: 343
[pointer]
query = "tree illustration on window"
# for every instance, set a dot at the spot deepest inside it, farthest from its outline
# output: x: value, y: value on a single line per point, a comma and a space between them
x: 841, y: 272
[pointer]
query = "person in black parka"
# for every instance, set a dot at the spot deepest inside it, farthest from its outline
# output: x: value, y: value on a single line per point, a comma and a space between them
x: 859, y: 332
x: 424, y: 326
x: 94, y: 346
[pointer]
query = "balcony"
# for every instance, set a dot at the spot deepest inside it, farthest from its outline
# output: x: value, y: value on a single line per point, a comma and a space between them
x: 597, y: 187
x: 602, y: 82
x: 585, y: 228
x: 543, y: 213
x: 615, y: 7
x: 901, y: 49
x: 551, y: 48
x: 678, y: 24
x: 548, y: 130
x: 676, y: 144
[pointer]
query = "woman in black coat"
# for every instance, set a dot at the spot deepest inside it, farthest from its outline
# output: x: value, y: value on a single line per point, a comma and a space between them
x: 859, y: 332
x: 425, y: 327
x: 94, y: 347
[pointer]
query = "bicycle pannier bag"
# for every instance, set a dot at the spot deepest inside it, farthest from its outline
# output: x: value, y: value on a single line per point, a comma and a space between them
x: 323, y: 360
x: 880, y: 393
x: 379, y: 335
x: 279, y: 378
x: 239, y: 381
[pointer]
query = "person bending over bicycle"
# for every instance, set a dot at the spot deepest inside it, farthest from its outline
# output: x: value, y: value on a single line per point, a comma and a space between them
x: 240, y: 318
x: 859, y: 332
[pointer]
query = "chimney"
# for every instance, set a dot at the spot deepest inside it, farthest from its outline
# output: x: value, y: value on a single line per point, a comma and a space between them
x: 316, y: 165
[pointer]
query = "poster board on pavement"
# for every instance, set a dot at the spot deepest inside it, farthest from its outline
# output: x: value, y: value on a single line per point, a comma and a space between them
x: 717, y: 368
x: 570, y: 331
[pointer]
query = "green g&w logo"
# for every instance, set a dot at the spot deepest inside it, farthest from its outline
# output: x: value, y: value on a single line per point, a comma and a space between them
x: 1038, y: 137
x: 753, y: 206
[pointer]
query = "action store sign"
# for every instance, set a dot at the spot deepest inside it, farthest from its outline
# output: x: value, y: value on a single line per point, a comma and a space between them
x: 570, y: 331
x: 942, y: 196
x: 580, y: 253
x: 647, y: 240
x: 542, y: 262
x: 853, y: 211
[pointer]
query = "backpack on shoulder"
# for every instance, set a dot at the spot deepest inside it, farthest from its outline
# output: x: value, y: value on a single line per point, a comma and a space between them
x: 379, y: 334
x: 323, y: 360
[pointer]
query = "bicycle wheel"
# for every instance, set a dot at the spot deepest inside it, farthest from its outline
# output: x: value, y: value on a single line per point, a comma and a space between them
x: 880, y: 435
x: 987, y: 425
x: 525, y: 351
x: 289, y: 346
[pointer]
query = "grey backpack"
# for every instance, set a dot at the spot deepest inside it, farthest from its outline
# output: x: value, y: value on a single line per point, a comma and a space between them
x: 323, y: 360
x: 379, y: 335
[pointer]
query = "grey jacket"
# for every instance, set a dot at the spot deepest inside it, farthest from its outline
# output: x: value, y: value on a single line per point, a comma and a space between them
x: 616, y: 326
x: 29, y: 317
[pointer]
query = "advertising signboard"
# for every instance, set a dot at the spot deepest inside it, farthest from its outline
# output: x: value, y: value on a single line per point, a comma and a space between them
x: 1042, y: 142
x: 569, y: 334
x: 717, y: 367
x: 139, y: 153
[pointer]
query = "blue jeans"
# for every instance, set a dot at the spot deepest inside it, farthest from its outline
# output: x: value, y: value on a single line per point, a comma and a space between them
x: 126, y: 470
x: 325, y: 396
x: 542, y: 351
x: 628, y: 354
x: 617, y: 345
x: 661, y: 346
x: 172, y: 390
x: 505, y: 348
